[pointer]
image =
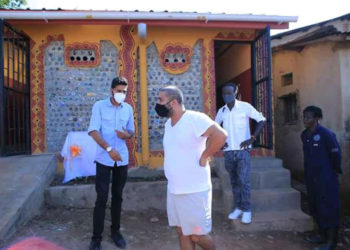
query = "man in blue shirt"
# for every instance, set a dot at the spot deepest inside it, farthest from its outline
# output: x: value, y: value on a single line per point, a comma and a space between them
x: 111, y: 124
x: 322, y: 164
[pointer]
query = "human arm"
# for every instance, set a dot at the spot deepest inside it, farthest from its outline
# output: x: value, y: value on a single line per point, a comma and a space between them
x: 216, y: 139
x: 259, y: 127
x: 334, y: 152
x: 93, y: 131
x: 128, y: 131
x: 103, y: 144
x: 252, y: 113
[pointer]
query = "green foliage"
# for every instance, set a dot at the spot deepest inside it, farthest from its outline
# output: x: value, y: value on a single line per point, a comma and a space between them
x: 12, y: 4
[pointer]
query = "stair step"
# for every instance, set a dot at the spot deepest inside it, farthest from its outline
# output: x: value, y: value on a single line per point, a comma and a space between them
x: 260, y: 177
x: 276, y: 199
x: 256, y: 162
x: 272, y: 162
x: 269, y: 178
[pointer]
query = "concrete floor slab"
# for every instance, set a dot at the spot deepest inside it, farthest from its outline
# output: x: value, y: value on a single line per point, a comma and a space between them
x: 23, y: 180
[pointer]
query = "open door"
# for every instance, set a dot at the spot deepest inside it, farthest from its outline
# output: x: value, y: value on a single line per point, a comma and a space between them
x: 261, y: 85
x: 14, y: 92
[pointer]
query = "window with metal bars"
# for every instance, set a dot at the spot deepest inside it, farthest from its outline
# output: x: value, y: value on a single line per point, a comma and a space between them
x: 287, y: 79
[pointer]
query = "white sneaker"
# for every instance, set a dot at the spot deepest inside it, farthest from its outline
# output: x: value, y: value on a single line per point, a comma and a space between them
x: 235, y: 214
x: 246, y: 217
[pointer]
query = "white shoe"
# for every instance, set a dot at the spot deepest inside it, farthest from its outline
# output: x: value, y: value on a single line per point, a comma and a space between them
x: 235, y: 214
x: 246, y: 217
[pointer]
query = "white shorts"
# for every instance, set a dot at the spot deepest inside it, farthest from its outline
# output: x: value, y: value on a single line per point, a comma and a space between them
x: 191, y: 212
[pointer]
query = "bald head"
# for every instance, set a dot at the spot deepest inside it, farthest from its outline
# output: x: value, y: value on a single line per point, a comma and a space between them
x: 173, y: 93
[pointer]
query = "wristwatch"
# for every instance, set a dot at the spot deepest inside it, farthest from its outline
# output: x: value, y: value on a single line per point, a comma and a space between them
x: 109, y: 149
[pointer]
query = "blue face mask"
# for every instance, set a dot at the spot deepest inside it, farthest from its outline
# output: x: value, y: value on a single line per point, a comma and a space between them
x: 229, y: 98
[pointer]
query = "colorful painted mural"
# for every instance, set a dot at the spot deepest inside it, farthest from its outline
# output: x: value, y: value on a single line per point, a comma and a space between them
x: 73, y: 61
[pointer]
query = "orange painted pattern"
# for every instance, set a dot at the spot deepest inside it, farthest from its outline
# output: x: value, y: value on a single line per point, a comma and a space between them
x: 37, y: 93
x: 127, y: 69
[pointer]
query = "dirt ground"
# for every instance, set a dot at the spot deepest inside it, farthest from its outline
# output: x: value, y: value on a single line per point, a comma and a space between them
x: 71, y: 229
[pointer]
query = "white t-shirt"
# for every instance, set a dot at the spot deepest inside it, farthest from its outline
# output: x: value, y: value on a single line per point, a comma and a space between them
x: 236, y: 122
x: 183, y: 146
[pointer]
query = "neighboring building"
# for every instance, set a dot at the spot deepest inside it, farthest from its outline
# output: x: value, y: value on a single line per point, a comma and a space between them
x: 58, y: 63
x: 311, y: 66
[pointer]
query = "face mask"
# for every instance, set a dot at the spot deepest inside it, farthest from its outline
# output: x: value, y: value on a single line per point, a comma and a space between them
x: 229, y: 98
x: 119, y: 97
x: 162, y: 110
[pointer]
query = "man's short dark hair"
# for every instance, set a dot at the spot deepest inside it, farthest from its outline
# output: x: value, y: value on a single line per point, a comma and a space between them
x: 174, y: 93
x: 316, y: 111
x: 119, y: 81
x: 230, y: 84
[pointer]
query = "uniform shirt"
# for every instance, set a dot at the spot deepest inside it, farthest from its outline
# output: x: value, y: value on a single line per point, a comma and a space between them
x: 236, y: 123
x: 183, y: 146
x: 321, y: 152
x: 107, y: 118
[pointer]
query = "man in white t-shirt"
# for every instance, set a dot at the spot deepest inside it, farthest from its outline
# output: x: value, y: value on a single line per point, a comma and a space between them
x: 234, y: 117
x: 190, y: 138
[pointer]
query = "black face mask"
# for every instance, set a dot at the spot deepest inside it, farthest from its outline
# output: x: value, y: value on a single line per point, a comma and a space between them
x: 162, y: 110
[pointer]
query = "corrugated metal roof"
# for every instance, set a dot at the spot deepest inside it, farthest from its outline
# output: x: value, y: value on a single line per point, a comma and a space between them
x: 308, y: 27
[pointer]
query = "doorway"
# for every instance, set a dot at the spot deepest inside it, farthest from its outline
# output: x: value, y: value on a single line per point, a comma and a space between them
x: 14, y: 91
x: 248, y: 64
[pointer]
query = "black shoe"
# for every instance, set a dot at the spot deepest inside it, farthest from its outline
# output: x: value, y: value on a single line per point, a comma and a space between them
x: 95, y: 245
x: 315, y: 238
x: 118, y: 239
x: 332, y: 240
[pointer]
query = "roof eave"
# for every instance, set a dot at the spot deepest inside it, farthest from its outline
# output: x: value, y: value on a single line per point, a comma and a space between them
x: 143, y: 16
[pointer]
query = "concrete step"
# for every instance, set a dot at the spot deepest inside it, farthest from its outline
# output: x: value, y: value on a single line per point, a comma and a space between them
x: 291, y: 220
x: 271, y: 162
x: 276, y: 199
x: 23, y: 180
x: 269, y: 177
x: 137, y: 196
x: 257, y: 162
x: 263, y: 200
x: 261, y: 177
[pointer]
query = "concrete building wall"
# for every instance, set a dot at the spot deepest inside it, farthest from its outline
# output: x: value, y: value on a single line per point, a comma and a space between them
x: 189, y: 82
x: 199, y: 73
x: 71, y: 92
x: 316, y: 81
x: 343, y: 51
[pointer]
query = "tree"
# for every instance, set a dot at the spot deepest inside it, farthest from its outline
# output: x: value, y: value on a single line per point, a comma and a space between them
x: 12, y: 4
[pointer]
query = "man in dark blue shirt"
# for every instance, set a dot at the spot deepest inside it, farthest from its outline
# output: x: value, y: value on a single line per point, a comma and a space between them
x: 322, y: 164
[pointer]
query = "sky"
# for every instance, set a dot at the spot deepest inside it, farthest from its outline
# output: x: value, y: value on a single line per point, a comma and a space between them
x: 308, y: 11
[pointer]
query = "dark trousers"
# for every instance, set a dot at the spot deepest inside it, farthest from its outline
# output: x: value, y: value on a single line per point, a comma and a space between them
x: 119, y: 176
x: 324, y: 201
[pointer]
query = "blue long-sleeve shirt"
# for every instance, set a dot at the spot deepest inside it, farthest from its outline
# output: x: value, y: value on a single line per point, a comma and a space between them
x: 106, y: 119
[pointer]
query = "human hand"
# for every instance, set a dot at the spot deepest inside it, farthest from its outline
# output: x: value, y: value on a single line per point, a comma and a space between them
x: 203, y: 160
x: 246, y: 144
x: 123, y: 134
x: 59, y: 157
x: 115, y: 155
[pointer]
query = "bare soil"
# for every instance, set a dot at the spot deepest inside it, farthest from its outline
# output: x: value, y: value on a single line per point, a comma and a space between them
x: 71, y: 229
